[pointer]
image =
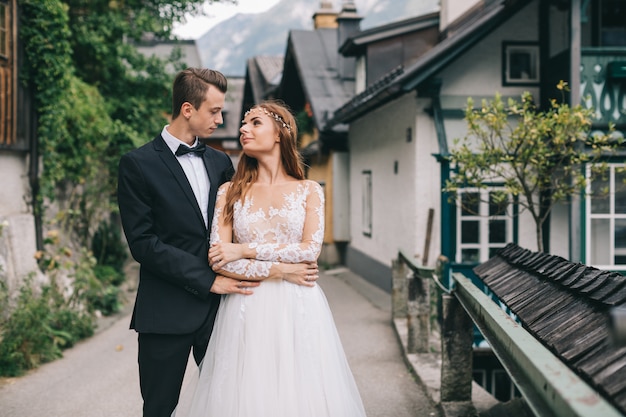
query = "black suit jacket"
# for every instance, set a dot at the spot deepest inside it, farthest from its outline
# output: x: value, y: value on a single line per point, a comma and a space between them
x: 166, y: 234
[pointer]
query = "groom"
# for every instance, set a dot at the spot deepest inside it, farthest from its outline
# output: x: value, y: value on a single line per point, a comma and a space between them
x: 166, y: 193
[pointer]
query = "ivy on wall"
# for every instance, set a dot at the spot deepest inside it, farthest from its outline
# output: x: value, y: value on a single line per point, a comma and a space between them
x: 73, y: 121
x: 48, y: 71
x: 95, y: 98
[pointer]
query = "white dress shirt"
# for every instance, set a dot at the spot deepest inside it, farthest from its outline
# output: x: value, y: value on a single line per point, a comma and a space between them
x: 195, y: 171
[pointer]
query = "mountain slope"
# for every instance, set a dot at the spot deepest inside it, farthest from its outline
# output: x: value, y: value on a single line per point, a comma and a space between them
x: 228, y: 45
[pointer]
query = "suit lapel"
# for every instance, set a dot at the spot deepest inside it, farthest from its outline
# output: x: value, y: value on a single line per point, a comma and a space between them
x: 172, y: 164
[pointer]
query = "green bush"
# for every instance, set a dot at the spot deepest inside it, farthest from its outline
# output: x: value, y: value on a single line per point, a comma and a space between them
x: 106, y: 296
x: 108, y: 248
x: 74, y: 325
x: 43, y: 321
x: 37, y: 330
x: 94, y: 286
x: 111, y: 255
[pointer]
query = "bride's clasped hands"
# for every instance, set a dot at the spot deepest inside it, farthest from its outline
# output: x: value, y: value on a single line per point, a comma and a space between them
x: 222, y: 253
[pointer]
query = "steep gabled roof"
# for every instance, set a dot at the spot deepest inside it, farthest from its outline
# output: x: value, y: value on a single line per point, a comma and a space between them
x: 264, y: 73
x: 467, y: 33
x: 314, y: 53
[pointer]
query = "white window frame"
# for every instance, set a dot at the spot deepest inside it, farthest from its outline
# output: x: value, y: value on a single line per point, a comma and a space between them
x: 483, y: 218
x: 611, y: 216
x: 528, y: 50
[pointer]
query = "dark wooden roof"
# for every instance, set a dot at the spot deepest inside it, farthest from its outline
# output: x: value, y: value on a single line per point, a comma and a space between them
x: 468, y: 31
x: 263, y: 74
x: 315, y: 57
x: 566, y: 306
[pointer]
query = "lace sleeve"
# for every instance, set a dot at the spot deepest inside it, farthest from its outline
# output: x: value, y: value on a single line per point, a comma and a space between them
x: 244, y: 269
x: 312, y: 234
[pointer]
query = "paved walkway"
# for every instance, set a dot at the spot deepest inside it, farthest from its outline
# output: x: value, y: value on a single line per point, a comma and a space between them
x: 98, y: 377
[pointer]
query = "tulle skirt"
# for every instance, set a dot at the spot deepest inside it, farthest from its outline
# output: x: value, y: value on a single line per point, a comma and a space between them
x: 275, y: 353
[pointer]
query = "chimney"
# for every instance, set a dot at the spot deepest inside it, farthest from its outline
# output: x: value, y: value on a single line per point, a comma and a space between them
x: 348, y: 24
x: 325, y: 17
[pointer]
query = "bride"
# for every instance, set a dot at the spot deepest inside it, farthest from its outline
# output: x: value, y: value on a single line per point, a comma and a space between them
x: 274, y: 353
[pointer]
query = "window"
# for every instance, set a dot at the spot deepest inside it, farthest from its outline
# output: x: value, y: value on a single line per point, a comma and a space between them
x: 483, y: 224
x: 606, y: 217
x: 502, y: 387
x: 520, y: 63
x: 366, y: 185
x: 612, y: 29
x: 602, y: 23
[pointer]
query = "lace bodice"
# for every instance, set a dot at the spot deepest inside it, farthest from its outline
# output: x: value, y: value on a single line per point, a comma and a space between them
x: 284, y: 223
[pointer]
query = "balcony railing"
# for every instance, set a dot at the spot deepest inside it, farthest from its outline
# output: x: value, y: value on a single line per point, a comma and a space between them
x: 603, y: 84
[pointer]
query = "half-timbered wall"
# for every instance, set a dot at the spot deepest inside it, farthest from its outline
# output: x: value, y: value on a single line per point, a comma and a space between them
x: 7, y: 72
x: 18, y: 240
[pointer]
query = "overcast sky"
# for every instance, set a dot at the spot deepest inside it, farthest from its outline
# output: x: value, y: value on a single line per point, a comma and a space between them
x: 217, y: 12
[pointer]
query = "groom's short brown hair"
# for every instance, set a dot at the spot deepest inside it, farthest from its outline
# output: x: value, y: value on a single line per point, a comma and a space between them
x: 191, y: 85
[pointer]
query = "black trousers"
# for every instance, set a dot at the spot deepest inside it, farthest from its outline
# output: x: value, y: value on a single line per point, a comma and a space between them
x: 162, y: 363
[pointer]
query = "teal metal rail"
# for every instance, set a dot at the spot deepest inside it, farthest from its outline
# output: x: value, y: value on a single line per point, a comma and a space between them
x: 548, y: 386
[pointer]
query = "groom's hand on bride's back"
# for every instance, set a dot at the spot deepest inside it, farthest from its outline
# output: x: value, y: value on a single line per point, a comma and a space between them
x: 224, y: 285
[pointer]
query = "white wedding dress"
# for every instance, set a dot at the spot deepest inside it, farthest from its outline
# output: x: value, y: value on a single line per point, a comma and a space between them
x: 275, y: 353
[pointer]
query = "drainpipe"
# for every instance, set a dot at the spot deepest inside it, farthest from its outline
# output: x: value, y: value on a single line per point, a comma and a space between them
x: 447, y: 223
x: 33, y: 177
x: 434, y: 91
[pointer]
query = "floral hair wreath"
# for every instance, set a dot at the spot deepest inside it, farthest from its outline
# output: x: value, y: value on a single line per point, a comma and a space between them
x: 271, y: 114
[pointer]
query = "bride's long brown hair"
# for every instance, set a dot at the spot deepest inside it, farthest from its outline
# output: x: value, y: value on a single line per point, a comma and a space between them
x: 247, y: 169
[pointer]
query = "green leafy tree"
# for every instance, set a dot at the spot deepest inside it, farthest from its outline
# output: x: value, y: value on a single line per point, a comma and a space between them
x: 95, y: 95
x: 72, y: 46
x: 536, y: 156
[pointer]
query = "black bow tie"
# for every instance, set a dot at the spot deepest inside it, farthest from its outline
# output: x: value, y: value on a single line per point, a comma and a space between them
x: 198, y: 149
